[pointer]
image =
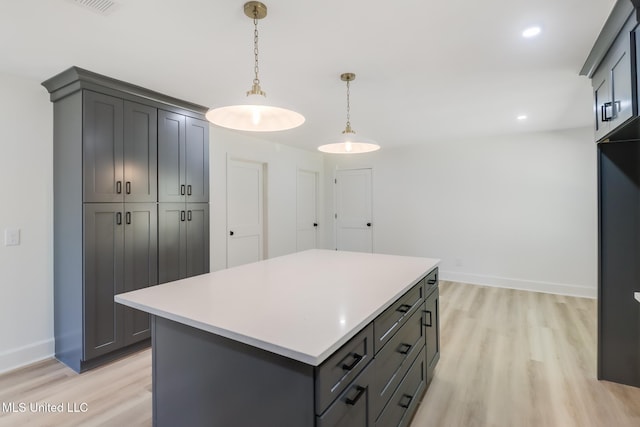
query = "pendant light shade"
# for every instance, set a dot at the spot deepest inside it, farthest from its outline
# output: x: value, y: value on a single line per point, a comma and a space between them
x: 254, y: 114
x: 348, y: 142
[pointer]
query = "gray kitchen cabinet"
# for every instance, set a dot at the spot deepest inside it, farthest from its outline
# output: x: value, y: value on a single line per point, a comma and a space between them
x: 120, y: 248
x: 183, y: 237
x: 106, y: 210
x: 183, y: 158
x: 612, y: 66
x: 119, y: 150
x: 614, y: 84
x: 104, y: 274
x: 432, y: 331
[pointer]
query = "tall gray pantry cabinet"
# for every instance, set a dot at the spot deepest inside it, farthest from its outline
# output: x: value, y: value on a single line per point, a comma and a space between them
x: 131, y: 208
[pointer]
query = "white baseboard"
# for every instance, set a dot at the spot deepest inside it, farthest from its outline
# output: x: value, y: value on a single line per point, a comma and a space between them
x: 523, y: 285
x: 18, y: 357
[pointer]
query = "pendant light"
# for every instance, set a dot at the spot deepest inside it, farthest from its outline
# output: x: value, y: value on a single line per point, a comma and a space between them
x: 348, y: 142
x: 255, y: 115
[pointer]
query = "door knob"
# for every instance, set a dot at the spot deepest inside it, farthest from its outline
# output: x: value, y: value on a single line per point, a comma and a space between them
x: 231, y: 233
x: 368, y: 224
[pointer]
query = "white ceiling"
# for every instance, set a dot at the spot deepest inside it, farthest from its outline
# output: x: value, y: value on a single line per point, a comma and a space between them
x: 426, y: 70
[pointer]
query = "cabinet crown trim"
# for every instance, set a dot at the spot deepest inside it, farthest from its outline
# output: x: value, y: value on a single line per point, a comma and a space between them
x: 616, y: 20
x: 75, y: 78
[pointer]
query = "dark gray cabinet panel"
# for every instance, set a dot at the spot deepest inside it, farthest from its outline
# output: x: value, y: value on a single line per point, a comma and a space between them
x: 172, y: 175
x: 395, y: 359
x: 104, y: 267
x: 183, y: 240
x: 103, y: 150
x: 183, y: 158
x: 432, y: 331
x: 619, y: 271
x: 140, y: 153
x: 197, y: 238
x: 172, y: 242
x: 140, y: 263
x: 197, y: 160
x: 351, y: 409
x: 335, y: 373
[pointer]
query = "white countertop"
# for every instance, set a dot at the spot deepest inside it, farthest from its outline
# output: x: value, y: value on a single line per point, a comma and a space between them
x: 303, y: 306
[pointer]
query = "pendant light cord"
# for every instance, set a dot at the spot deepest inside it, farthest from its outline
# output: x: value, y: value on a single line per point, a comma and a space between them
x: 256, y: 68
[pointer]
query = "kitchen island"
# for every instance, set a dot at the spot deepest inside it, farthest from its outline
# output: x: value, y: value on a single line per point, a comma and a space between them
x: 315, y: 338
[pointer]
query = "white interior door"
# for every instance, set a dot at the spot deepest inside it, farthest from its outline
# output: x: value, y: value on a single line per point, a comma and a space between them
x: 245, y: 212
x: 306, y: 210
x: 354, y: 223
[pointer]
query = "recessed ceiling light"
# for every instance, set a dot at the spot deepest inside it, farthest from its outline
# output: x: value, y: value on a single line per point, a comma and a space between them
x: 531, y: 32
x: 522, y: 117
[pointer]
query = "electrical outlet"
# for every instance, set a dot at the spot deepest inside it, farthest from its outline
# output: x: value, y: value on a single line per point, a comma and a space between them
x: 11, y: 236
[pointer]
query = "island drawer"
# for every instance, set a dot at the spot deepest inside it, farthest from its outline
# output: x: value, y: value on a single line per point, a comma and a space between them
x: 395, y: 358
x: 403, y: 403
x: 431, y: 281
x: 390, y: 321
x: 334, y: 375
x: 351, y: 408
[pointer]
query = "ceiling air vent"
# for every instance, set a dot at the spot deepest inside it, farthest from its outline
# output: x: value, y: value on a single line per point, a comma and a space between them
x: 102, y: 7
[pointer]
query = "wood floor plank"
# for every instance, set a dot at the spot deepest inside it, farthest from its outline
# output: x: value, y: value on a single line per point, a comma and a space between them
x: 508, y: 358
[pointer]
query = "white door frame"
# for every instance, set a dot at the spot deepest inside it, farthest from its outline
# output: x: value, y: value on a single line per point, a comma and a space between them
x: 335, y: 204
x: 264, y: 165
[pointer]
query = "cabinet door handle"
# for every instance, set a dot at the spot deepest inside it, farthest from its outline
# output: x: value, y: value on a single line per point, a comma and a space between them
x: 404, y: 308
x: 368, y: 224
x: 119, y: 187
x: 603, y: 111
x: 119, y: 218
x: 189, y: 190
x: 128, y: 217
x: 430, y: 324
x: 404, y: 348
x: 188, y: 215
x: 315, y: 224
x: 407, y: 401
x: 182, y: 190
x: 359, y: 393
x: 127, y: 187
x: 230, y: 233
x: 181, y: 215
x: 356, y: 358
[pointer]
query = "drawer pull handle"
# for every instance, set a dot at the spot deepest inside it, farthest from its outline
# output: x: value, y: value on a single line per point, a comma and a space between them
x: 432, y: 281
x: 404, y: 348
x: 404, y: 308
x: 603, y: 110
x: 430, y: 323
x: 189, y: 190
x: 127, y: 187
x: 118, y: 187
x: 182, y: 187
x: 356, y: 358
x: 408, y: 401
x: 357, y: 397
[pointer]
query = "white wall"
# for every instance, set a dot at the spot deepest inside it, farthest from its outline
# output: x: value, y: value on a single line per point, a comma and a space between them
x: 282, y: 165
x: 26, y: 202
x: 515, y: 211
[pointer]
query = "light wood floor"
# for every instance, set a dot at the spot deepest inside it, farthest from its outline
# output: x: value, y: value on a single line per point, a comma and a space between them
x: 509, y: 358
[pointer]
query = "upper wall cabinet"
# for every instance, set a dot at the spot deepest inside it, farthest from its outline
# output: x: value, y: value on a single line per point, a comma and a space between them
x: 183, y: 158
x: 119, y: 150
x: 612, y: 67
